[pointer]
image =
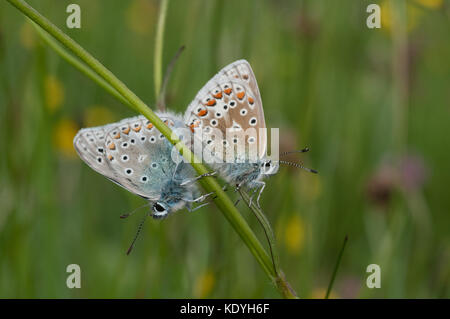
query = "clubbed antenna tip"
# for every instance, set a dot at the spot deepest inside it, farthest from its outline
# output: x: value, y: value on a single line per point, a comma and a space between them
x: 299, y: 166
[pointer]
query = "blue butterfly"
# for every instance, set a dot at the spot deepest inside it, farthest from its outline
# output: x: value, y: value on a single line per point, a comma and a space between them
x: 228, y: 115
x: 135, y: 155
x: 231, y: 102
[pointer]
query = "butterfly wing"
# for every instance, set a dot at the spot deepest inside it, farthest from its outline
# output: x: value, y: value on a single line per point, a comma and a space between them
x: 131, y: 153
x: 230, y: 100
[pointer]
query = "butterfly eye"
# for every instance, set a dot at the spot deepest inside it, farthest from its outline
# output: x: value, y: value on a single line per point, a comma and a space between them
x: 158, y: 208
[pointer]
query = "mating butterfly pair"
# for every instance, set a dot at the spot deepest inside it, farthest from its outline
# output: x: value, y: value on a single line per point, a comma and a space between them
x: 136, y: 156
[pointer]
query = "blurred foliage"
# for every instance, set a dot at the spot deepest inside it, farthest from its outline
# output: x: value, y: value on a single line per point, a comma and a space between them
x: 372, y: 104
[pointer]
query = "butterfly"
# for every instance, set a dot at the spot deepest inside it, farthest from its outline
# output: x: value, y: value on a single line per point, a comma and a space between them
x: 231, y: 102
x: 135, y: 155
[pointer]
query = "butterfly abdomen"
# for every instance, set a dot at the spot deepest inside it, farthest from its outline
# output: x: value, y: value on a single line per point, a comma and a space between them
x: 239, y: 173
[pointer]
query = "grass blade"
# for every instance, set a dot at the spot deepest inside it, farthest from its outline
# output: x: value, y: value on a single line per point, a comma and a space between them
x: 336, y: 267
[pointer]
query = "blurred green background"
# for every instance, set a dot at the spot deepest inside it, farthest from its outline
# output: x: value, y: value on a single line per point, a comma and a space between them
x: 372, y: 104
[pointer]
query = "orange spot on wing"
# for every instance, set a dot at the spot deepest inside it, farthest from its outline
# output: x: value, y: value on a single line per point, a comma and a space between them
x: 194, y: 125
x: 250, y: 100
x: 202, y: 112
x: 240, y: 95
x: 117, y: 136
x: 127, y: 130
x: 227, y: 91
x: 137, y: 129
x: 110, y: 157
x: 211, y: 102
x: 218, y: 95
x: 168, y: 123
x: 112, y: 146
x: 149, y: 126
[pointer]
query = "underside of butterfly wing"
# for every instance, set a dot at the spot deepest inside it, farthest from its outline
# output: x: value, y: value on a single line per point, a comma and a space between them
x: 132, y: 153
x: 230, y: 103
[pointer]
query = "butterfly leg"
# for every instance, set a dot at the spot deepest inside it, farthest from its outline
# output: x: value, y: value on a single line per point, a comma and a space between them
x: 192, y: 180
x: 200, y: 198
x: 236, y: 189
x: 251, y: 197
x: 196, y: 207
x: 239, y: 185
x: 260, y: 192
x: 199, y: 206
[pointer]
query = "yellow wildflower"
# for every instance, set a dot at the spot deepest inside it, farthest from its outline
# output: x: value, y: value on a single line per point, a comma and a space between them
x: 319, y: 293
x: 53, y: 92
x: 294, y: 234
x: 432, y: 4
x: 64, y: 132
x: 97, y: 115
x: 413, y: 13
x: 204, y: 284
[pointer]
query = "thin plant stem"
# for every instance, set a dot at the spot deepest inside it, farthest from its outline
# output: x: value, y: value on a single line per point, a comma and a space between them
x: 268, y: 231
x: 336, y: 267
x: 222, y: 201
x: 161, y: 104
x: 266, y: 227
x: 159, y: 43
x: 400, y: 77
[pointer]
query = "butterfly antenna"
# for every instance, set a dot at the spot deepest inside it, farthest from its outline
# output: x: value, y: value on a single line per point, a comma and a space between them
x: 306, y: 149
x: 137, y: 234
x: 134, y: 211
x: 161, y: 104
x: 299, y: 166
